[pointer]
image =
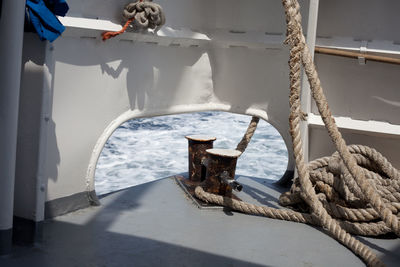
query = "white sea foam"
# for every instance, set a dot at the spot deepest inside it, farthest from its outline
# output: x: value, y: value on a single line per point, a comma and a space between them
x: 144, y: 150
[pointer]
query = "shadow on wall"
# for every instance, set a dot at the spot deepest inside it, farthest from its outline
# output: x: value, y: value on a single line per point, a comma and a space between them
x: 53, y: 161
x: 36, y: 103
x: 35, y: 97
x: 153, y: 74
x: 147, y: 74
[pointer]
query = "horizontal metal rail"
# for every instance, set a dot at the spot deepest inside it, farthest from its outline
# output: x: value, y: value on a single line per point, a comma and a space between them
x: 350, y: 54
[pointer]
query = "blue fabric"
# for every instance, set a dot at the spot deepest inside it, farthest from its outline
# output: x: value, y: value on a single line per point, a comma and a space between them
x: 46, y: 24
x: 58, y: 7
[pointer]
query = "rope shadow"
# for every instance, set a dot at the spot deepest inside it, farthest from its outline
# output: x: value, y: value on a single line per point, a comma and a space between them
x: 262, y: 197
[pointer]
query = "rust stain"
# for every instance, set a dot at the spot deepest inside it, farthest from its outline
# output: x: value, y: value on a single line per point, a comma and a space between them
x: 197, y: 154
x: 221, y: 163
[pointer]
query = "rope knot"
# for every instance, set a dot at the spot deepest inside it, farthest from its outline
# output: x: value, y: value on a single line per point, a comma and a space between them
x: 143, y: 15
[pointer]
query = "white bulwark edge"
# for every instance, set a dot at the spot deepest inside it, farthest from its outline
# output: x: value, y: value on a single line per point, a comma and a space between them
x: 84, y: 27
x: 375, y: 128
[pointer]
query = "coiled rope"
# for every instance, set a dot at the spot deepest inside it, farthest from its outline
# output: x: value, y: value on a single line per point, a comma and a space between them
x: 142, y: 14
x: 356, y: 190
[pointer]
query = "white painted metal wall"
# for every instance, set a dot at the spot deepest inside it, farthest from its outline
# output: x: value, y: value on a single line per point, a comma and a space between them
x: 364, y: 96
x: 210, y: 55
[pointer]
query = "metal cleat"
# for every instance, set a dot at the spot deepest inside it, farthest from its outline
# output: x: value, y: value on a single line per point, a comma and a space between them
x: 198, y: 144
x: 220, y: 171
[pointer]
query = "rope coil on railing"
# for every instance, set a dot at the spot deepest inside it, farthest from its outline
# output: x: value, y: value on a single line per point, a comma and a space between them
x: 356, y: 190
x: 141, y: 15
x: 146, y: 14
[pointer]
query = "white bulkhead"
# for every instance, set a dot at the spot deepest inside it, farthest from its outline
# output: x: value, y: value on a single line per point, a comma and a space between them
x: 211, y: 55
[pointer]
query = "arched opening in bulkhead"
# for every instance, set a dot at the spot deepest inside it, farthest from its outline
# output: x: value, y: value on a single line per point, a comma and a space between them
x: 146, y: 149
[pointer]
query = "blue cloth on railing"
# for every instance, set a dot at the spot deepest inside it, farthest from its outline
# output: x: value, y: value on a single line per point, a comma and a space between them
x: 58, y: 7
x: 43, y: 19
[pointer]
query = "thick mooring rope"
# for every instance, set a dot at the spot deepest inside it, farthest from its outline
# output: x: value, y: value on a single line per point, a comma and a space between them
x: 248, y: 135
x: 142, y: 14
x: 356, y: 190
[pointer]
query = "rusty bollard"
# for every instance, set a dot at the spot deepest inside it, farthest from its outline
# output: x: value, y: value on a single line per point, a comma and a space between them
x: 221, y: 168
x: 198, y: 144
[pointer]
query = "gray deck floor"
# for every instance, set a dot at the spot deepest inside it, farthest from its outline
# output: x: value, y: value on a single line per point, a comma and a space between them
x: 155, y: 224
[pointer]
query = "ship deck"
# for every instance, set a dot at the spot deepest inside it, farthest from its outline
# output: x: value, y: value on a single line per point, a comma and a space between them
x: 156, y: 224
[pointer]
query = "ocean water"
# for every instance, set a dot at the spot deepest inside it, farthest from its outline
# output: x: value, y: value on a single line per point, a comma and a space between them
x: 143, y: 150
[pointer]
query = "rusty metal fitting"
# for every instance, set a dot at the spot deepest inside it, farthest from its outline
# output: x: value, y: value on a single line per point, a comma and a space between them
x: 221, y: 171
x: 198, y: 144
x: 230, y: 181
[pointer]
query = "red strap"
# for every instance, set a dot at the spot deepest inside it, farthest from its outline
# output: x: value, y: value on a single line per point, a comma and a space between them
x: 108, y: 35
